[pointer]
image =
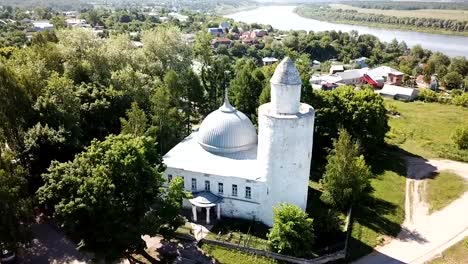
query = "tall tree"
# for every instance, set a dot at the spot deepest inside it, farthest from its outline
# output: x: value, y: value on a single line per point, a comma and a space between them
x: 347, y: 177
x: 15, y: 207
x: 136, y: 122
x: 110, y: 195
x: 246, y: 88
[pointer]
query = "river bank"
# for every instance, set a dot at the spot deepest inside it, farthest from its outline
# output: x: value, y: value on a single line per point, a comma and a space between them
x: 284, y: 18
x: 318, y: 14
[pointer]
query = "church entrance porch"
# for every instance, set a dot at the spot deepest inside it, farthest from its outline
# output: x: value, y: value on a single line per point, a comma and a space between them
x: 208, y: 202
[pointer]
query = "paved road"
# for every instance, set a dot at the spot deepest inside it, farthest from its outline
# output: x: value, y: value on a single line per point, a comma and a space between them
x: 425, y: 236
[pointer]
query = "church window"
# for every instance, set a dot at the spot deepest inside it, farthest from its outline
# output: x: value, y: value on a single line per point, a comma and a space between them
x: 194, y: 184
x: 169, y: 178
x: 207, y: 185
x: 220, y: 188
x: 248, y: 193
x: 234, y: 190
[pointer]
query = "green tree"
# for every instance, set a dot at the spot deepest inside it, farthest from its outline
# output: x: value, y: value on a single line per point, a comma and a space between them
x: 453, y: 80
x: 246, y: 88
x: 15, y: 207
x: 165, y: 49
x: 292, y: 232
x: 136, y: 122
x: 347, y: 177
x: 110, y: 195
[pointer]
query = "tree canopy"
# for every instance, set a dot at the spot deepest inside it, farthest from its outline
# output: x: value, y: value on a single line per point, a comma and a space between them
x: 110, y: 195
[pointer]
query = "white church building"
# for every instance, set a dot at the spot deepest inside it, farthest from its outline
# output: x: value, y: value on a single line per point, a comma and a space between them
x: 235, y: 173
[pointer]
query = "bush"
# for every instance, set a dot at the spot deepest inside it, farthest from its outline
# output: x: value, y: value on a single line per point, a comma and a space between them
x: 427, y: 96
x: 461, y: 100
x: 292, y: 232
x: 460, y: 137
x: 392, y: 110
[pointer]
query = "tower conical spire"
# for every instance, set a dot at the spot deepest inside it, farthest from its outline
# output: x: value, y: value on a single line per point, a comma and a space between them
x: 286, y: 73
x: 227, y: 107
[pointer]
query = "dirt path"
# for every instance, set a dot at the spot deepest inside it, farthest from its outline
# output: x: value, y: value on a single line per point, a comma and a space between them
x: 424, y: 236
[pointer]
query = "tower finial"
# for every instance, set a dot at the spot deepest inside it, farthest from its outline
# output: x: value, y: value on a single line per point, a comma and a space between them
x: 227, y: 107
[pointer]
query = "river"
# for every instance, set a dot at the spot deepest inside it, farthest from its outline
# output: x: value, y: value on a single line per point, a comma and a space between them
x: 284, y: 18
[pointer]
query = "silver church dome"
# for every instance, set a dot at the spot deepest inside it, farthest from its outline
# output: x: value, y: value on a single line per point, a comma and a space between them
x: 227, y: 130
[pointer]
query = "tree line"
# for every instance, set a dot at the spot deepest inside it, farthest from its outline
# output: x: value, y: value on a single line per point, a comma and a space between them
x: 328, y: 13
x: 408, y: 5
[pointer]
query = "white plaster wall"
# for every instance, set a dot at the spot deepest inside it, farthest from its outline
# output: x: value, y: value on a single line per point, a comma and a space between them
x: 285, y: 99
x: 284, y: 153
x: 239, y: 207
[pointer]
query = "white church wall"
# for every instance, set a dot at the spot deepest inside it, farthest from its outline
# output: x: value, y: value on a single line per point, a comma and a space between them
x: 232, y: 206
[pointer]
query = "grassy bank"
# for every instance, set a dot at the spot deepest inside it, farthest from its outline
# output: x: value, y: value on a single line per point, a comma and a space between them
x: 420, y: 13
x: 304, y: 12
x: 425, y: 129
x: 456, y: 254
x: 443, y: 188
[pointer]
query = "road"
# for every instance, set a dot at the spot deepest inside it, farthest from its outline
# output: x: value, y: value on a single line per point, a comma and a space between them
x: 425, y: 236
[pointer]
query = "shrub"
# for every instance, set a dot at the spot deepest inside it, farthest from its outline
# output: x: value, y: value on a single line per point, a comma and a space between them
x: 392, y: 110
x: 461, y: 100
x: 427, y: 95
x: 460, y: 137
x: 292, y: 232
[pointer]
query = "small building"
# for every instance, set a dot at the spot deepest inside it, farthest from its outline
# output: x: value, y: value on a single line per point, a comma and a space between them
x: 336, y: 68
x: 215, y: 43
x: 269, y: 60
x: 389, y: 74
x: 225, y: 25
x: 178, y: 16
x: 216, y: 32
x: 316, y: 64
x: 398, y: 92
x: 42, y: 25
x: 361, y: 62
x: 352, y: 77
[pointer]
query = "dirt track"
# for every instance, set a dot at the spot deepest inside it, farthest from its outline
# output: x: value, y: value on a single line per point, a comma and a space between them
x: 424, y: 236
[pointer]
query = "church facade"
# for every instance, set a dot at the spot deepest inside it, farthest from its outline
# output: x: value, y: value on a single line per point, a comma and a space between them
x: 235, y: 173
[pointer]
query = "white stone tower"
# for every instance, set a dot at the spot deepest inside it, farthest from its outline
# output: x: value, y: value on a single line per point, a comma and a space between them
x: 285, y: 137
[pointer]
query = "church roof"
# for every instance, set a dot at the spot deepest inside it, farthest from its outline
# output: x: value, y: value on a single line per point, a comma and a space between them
x: 189, y: 155
x: 286, y: 73
x: 227, y: 130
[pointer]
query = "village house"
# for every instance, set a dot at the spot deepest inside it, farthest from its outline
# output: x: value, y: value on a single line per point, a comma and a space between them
x: 398, y: 92
x: 336, y: 68
x: 216, y: 32
x: 269, y: 60
x: 215, y: 43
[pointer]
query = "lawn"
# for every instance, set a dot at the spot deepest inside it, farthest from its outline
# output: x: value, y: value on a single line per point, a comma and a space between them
x: 456, y: 254
x: 379, y: 217
x: 224, y: 255
x: 425, y: 129
x: 443, y: 188
x: 422, y: 13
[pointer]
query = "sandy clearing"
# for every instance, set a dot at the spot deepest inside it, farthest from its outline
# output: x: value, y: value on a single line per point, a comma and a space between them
x: 425, y: 236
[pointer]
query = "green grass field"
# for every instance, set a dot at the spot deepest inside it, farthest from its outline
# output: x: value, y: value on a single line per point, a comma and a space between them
x: 422, y: 13
x: 443, y: 188
x: 425, y: 129
x: 223, y: 255
x: 456, y: 254
x: 381, y: 215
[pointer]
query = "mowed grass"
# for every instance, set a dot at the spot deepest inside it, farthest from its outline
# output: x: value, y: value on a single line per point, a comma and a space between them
x: 443, y: 188
x: 422, y: 13
x: 224, y: 255
x: 456, y: 254
x: 425, y: 129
